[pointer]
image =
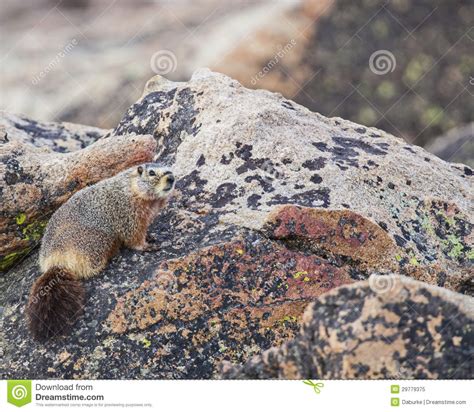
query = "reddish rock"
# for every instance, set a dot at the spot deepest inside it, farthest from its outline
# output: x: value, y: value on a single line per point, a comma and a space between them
x: 341, y: 233
x: 251, y: 291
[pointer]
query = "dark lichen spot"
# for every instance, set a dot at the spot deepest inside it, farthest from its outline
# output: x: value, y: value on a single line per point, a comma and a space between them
x: 201, y: 161
x: 225, y: 193
x: 264, y: 183
x: 310, y: 198
x: 467, y: 171
x: 14, y: 172
x: 146, y: 109
x: 315, y: 164
x: 226, y: 160
x: 321, y: 146
x: 316, y: 179
x: 253, y: 201
x: 383, y: 225
x: 191, y: 185
x: 399, y: 240
x: 287, y: 105
x: 360, y: 130
x: 348, y: 142
x: 245, y: 152
x: 150, y: 112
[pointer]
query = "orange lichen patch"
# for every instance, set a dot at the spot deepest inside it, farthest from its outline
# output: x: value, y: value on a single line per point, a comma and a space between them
x: 338, y: 232
x: 247, y: 276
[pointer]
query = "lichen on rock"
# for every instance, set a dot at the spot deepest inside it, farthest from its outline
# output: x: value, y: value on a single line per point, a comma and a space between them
x: 406, y: 330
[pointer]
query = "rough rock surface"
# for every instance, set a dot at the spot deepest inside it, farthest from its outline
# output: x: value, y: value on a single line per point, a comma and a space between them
x: 384, y: 328
x: 36, y: 176
x: 274, y: 206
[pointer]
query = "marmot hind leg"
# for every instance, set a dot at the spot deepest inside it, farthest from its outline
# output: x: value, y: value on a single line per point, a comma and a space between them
x: 84, y: 254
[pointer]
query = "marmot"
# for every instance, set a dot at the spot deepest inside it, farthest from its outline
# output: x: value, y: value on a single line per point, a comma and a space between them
x: 84, y: 233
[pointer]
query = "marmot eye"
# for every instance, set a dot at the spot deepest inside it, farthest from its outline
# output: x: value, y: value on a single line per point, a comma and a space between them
x: 152, y: 173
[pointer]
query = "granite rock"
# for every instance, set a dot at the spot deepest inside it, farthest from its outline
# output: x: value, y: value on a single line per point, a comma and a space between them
x: 384, y: 328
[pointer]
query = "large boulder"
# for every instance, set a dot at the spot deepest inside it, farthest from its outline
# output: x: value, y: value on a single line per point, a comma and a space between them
x: 274, y: 206
x: 384, y: 328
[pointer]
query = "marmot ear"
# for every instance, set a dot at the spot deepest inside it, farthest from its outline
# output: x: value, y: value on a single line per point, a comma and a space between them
x: 140, y: 170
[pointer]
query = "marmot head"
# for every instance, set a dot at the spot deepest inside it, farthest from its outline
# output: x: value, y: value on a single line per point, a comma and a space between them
x: 151, y: 181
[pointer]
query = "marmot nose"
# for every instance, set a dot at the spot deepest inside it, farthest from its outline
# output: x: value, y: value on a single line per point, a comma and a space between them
x: 170, y: 179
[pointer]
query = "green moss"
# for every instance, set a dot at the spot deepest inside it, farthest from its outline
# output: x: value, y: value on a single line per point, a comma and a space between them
x: 32, y: 233
x: 34, y: 230
x: 398, y: 258
x: 413, y: 261
x: 454, y: 247
x: 426, y: 225
x: 470, y: 254
x: 299, y: 274
x: 20, y: 219
x: 7, y: 261
x: 287, y: 319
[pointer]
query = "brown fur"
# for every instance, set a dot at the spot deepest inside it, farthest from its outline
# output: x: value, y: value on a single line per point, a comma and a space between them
x: 56, y: 302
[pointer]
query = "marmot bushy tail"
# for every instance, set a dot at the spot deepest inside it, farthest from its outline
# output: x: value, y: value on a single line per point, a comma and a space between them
x: 56, y: 302
x: 82, y: 236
